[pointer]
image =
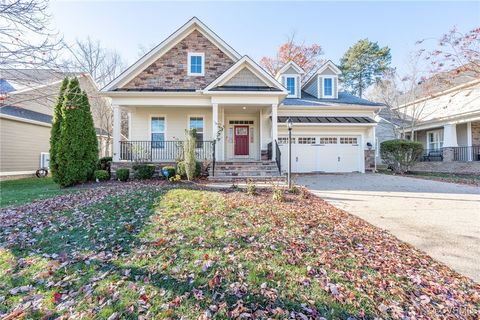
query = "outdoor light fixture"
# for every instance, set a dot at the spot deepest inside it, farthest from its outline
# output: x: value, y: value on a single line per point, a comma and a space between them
x: 369, y: 146
x: 289, y: 173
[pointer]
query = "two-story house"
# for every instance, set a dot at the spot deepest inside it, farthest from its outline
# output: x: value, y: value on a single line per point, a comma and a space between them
x: 194, y: 79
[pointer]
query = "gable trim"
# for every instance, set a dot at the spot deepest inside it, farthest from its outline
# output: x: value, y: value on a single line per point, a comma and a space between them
x: 293, y: 65
x: 328, y: 64
x: 246, y: 62
x: 164, y: 46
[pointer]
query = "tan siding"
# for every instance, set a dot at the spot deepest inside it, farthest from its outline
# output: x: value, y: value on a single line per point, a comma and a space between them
x: 176, y: 122
x: 21, y: 144
x: 245, y: 77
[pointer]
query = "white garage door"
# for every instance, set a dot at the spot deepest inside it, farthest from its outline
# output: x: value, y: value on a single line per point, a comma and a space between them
x: 323, y: 154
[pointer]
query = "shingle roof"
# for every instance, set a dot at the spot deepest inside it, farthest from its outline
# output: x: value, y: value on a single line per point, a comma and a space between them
x: 350, y: 120
x: 343, y: 98
x: 35, y: 116
x: 25, y: 114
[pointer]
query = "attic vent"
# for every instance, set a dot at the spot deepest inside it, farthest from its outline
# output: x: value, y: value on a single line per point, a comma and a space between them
x: 241, y: 122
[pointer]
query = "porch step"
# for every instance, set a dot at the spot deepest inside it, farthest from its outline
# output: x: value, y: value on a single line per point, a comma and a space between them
x: 246, y: 170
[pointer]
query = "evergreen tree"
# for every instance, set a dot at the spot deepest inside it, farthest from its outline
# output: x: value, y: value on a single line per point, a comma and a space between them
x: 56, y: 129
x: 77, y: 149
x: 362, y: 64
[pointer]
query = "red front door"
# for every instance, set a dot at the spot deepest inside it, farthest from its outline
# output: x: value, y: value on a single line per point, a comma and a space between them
x: 241, y: 140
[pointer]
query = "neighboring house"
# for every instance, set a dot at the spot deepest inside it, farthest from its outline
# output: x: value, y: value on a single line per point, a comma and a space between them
x: 26, y: 116
x: 194, y: 79
x: 448, y: 125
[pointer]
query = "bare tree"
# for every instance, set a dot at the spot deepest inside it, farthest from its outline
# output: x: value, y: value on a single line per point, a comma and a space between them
x: 404, y: 97
x: 104, y: 65
x: 25, y: 38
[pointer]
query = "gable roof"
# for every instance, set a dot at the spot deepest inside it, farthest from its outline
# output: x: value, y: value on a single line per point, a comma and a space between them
x: 271, y: 84
x: 293, y: 65
x: 167, y: 44
x: 323, y: 67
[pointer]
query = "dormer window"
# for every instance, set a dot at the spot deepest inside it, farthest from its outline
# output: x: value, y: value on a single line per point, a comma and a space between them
x: 291, y: 86
x: 196, y: 64
x: 328, y: 87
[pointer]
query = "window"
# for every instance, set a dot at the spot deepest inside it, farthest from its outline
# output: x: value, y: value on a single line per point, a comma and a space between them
x: 292, y: 90
x: 348, y: 140
x: 158, y: 132
x: 196, y: 64
x: 306, y: 140
x: 328, y: 140
x: 284, y: 140
x: 435, y: 140
x: 328, y: 87
x: 197, y: 123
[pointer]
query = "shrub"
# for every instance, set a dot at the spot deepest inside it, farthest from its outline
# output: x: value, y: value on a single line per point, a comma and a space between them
x: 182, y: 172
x: 278, y: 194
x: 168, y: 171
x: 105, y: 163
x: 251, y: 189
x: 123, y: 174
x: 189, y: 153
x: 400, y: 155
x: 55, y: 132
x: 175, y: 178
x: 144, y: 171
x: 101, y: 175
x: 77, y: 149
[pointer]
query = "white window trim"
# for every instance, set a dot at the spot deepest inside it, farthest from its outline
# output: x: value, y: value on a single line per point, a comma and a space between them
x: 150, y: 125
x: 297, y: 84
x: 195, y: 54
x: 440, y: 140
x: 204, y: 123
x: 333, y: 87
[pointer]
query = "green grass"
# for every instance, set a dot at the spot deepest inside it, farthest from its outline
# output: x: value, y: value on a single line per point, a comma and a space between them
x: 180, y: 253
x: 15, y: 192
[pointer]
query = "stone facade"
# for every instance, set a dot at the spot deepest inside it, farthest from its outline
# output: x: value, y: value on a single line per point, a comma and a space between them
x: 170, y: 70
x: 476, y: 133
x: 369, y: 160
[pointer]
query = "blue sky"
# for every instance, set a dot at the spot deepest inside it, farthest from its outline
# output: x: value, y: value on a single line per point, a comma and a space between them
x: 258, y: 28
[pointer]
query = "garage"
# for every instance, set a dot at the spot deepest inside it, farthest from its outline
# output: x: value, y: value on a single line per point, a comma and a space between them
x: 330, y: 154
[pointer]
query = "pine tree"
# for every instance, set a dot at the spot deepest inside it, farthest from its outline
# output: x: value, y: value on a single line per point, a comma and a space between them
x: 362, y: 64
x: 56, y: 129
x: 77, y: 149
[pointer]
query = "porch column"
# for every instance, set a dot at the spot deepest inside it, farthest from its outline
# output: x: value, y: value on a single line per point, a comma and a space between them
x: 215, y: 127
x: 469, y: 141
x: 450, y: 135
x: 274, y: 129
x: 116, y: 132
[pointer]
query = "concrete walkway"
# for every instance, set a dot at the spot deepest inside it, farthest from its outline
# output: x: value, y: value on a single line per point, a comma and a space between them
x: 442, y: 219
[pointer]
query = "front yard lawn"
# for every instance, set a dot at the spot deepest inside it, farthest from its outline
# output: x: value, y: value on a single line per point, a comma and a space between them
x: 14, y: 192
x: 147, y: 251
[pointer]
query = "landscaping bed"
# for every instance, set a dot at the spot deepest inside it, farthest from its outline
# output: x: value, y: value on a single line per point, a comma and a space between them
x: 152, y: 250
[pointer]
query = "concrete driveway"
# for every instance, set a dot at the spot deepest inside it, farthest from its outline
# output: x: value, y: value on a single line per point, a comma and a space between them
x: 442, y: 219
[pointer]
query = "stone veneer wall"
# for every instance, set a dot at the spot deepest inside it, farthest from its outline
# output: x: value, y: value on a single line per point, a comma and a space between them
x: 476, y: 133
x: 170, y: 70
x: 369, y: 160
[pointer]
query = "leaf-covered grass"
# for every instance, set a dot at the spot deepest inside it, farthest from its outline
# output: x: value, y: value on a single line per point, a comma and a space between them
x: 15, y: 192
x: 468, y: 179
x: 156, y: 253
